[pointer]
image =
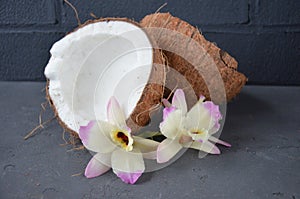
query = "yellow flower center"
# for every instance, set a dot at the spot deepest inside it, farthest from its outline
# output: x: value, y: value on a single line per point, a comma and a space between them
x: 199, y: 134
x: 123, y: 139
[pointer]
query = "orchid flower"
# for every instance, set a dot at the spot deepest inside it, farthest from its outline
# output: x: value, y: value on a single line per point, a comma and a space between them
x: 189, y: 129
x: 115, y: 146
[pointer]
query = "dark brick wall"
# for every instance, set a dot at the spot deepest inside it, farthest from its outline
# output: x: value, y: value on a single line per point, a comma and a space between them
x: 263, y: 35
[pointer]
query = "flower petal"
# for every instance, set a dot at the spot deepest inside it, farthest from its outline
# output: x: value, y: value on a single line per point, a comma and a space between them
x: 200, y: 137
x: 167, y: 149
x: 179, y: 102
x: 201, y: 98
x: 167, y: 111
x: 146, y: 146
x: 127, y: 162
x: 213, y: 109
x: 129, y: 178
x: 185, y: 140
x: 215, y: 113
x: 96, y: 136
x: 128, y: 166
x: 115, y: 114
x: 95, y: 166
x: 206, y: 147
x: 216, y: 140
x: 199, y: 118
x: 172, y: 124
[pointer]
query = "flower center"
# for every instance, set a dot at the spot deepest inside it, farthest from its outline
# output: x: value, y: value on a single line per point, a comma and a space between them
x: 197, y: 132
x: 199, y: 135
x: 123, y: 139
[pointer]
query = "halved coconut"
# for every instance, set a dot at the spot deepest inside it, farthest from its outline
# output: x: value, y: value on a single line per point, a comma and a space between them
x: 103, y: 58
x: 209, y: 56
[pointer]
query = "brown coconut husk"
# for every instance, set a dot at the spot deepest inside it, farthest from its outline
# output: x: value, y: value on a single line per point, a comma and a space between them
x: 152, y: 93
x: 227, y: 65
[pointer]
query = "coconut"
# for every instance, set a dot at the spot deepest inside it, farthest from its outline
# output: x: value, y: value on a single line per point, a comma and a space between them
x: 205, y: 60
x: 99, y: 59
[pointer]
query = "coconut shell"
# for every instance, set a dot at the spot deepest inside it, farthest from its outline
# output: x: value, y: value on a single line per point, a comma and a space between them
x: 196, y: 86
x: 152, y: 93
x: 61, y: 123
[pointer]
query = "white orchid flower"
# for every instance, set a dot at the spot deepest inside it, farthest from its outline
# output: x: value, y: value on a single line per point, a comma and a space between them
x: 190, y: 129
x: 115, y: 147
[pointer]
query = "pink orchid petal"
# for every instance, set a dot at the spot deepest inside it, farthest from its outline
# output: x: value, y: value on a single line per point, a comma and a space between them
x: 204, y: 115
x: 201, y: 98
x: 207, y: 147
x: 85, y: 130
x: 214, y: 109
x: 198, y: 118
x: 172, y: 124
x: 224, y: 143
x: 115, y: 114
x: 213, y: 139
x: 167, y: 149
x: 215, y: 150
x: 178, y: 101
x: 95, y: 136
x: 167, y: 111
x: 214, y: 112
x: 95, y: 167
x: 129, y: 178
x: 146, y: 146
x: 127, y: 162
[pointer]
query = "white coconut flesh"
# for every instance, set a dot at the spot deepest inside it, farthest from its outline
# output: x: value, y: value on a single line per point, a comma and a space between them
x: 99, y: 60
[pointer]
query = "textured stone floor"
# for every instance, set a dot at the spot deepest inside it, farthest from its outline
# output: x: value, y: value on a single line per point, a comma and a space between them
x: 262, y: 124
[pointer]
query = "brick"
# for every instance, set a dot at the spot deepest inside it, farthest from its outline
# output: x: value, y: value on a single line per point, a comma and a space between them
x: 267, y: 58
x: 277, y: 12
x: 271, y: 57
x: 27, y: 12
x: 25, y: 55
x: 211, y: 12
x: 197, y: 12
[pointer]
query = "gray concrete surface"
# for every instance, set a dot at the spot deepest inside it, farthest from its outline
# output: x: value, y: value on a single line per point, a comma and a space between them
x: 262, y: 124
